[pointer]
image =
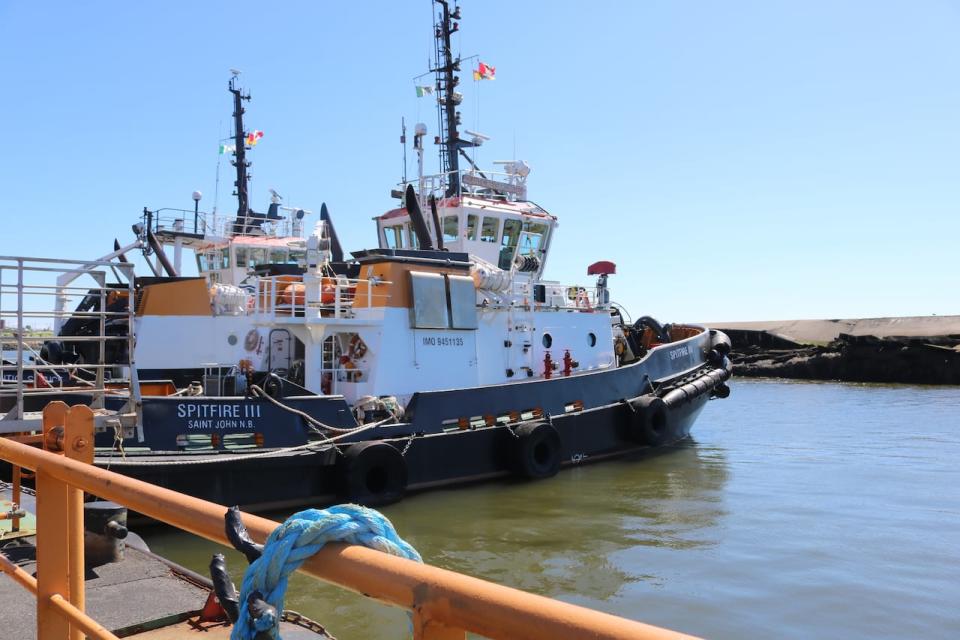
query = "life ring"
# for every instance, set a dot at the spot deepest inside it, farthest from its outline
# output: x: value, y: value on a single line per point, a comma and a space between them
x: 648, y: 423
x: 358, y: 348
x: 537, y: 450
x: 251, y: 340
x: 372, y: 473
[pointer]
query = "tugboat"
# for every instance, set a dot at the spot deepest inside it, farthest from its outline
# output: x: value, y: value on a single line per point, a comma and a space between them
x: 440, y: 356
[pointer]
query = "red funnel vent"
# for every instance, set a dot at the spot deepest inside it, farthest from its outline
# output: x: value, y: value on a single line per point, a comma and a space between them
x: 602, y: 268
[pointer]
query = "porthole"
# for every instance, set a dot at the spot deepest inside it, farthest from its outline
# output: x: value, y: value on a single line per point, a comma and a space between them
x: 547, y: 340
x: 591, y: 339
x: 231, y: 339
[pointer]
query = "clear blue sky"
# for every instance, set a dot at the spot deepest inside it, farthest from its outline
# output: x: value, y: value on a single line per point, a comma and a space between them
x: 737, y: 160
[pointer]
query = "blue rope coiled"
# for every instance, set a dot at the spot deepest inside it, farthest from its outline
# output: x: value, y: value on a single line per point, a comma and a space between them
x: 298, y: 538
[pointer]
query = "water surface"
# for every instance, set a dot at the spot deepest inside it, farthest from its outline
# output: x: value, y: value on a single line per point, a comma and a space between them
x: 798, y: 510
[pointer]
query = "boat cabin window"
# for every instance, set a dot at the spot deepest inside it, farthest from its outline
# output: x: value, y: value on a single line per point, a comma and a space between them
x: 451, y: 228
x: 511, y: 235
x: 413, y: 243
x: 394, y: 236
x: 539, y: 228
x: 296, y: 256
x: 252, y: 257
x: 530, y: 243
x: 472, y: 220
x: 490, y: 230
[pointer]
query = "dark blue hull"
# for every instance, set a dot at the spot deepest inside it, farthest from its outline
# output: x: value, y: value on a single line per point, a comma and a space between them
x: 529, y: 430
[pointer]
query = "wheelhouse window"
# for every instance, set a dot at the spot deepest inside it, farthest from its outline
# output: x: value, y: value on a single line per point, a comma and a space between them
x: 451, y: 228
x: 413, y: 243
x: 472, y: 226
x: 508, y: 244
x: 394, y: 236
x: 297, y: 256
x: 511, y: 233
x: 490, y: 230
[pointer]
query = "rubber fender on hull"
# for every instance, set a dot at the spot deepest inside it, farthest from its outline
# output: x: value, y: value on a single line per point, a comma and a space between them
x: 537, y: 452
x: 720, y: 342
x: 705, y: 383
x: 722, y: 390
x: 649, y: 422
x: 52, y: 352
x: 372, y: 473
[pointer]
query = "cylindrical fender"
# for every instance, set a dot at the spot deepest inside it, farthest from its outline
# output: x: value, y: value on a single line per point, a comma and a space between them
x: 372, y: 473
x: 720, y: 342
x: 649, y: 422
x: 537, y: 450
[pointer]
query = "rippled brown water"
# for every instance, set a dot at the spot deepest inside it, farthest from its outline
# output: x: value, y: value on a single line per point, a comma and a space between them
x: 798, y: 510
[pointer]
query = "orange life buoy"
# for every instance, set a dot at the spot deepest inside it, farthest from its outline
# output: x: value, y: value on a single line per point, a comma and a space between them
x: 358, y: 348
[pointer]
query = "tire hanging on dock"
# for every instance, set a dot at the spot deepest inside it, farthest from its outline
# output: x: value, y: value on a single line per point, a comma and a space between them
x: 649, y: 422
x: 537, y: 450
x: 372, y: 473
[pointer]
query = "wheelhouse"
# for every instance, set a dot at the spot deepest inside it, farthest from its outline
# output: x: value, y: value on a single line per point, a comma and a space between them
x: 501, y: 233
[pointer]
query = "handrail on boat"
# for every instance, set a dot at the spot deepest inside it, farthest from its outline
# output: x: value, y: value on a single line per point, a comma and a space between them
x: 444, y: 604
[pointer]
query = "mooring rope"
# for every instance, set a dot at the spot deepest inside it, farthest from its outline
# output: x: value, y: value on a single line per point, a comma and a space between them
x: 298, y: 538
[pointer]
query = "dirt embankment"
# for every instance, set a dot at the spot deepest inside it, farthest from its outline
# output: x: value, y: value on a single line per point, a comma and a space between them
x: 921, y: 350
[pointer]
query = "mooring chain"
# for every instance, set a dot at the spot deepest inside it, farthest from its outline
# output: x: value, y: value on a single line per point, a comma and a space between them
x: 407, y: 446
x: 301, y: 620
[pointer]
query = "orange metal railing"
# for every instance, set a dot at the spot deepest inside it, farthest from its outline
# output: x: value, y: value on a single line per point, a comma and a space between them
x: 445, y: 604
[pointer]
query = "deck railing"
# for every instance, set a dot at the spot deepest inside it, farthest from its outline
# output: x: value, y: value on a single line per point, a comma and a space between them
x: 38, y: 297
x: 445, y: 605
x: 327, y: 297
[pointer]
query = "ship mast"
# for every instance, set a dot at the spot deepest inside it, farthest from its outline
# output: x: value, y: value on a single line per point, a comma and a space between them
x: 451, y: 146
x: 240, y: 154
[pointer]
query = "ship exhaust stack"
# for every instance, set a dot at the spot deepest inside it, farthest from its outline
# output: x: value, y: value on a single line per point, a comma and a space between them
x: 436, y: 221
x: 416, y: 219
x: 161, y: 256
x: 336, y: 250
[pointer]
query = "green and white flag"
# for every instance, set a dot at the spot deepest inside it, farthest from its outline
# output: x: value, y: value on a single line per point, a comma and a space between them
x: 227, y: 148
x: 424, y: 91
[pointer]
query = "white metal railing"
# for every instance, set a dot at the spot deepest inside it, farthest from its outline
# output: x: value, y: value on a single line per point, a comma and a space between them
x: 34, y: 299
x: 222, y: 225
x: 311, y: 297
x: 472, y: 182
x: 559, y: 297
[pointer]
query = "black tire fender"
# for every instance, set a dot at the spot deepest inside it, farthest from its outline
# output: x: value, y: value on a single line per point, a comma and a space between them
x: 537, y: 450
x: 52, y: 352
x: 649, y: 421
x: 372, y: 473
